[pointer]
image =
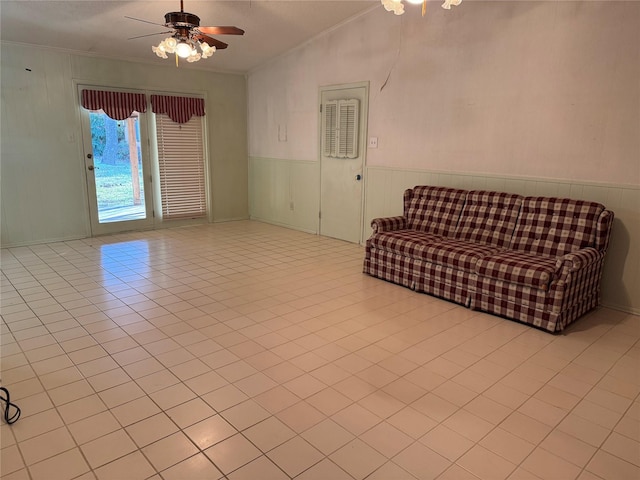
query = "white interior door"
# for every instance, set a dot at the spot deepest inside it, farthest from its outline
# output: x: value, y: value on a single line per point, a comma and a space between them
x: 342, y: 157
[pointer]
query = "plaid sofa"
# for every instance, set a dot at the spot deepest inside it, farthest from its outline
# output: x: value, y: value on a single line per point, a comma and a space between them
x: 537, y: 260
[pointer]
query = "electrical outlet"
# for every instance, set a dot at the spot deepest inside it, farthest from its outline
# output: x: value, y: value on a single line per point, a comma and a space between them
x: 373, y: 142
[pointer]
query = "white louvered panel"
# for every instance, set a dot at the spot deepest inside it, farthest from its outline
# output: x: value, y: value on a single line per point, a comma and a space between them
x: 340, y: 128
x: 181, y: 161
x: 329, y: 131
x: 348, y: 115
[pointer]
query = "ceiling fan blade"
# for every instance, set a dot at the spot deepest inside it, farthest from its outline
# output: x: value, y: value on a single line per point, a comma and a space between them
x: 150, y: 35
x: 212, y: 42
x: 145, y: 21
x: 221, y: 30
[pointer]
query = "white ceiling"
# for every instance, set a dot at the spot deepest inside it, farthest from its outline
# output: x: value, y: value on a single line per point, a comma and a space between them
x: 100, y: 27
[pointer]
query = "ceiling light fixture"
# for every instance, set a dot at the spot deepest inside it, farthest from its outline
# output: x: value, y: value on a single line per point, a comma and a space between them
x: 397, y: 7
x: 184, y: 46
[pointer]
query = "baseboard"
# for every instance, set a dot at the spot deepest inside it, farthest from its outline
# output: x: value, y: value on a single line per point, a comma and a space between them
x: 622, y: 308
x: 48, y: 240
x: 232, y: 219
x: 285, y: 225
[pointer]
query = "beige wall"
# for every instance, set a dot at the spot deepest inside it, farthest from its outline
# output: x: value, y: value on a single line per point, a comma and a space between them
x: 530, y: 97
x: 541, y: 89
x: 43, y: 191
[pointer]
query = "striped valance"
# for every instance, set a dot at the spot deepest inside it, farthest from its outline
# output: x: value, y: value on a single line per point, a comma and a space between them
x: 117, y: 105
x: 179, y: 109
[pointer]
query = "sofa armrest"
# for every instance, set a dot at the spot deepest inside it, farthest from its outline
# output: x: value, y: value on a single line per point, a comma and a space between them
x: 388, y: 224
x: 577, y: 277
x: 572, y: 262
x: 603, y: 230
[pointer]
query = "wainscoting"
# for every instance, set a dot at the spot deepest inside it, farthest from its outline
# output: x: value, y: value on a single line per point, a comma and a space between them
x: 286, y: 192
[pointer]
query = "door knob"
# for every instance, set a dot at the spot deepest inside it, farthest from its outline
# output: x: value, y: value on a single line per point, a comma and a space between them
x: 90, y: 167
x: 358, y: 177
x: 89, y: 156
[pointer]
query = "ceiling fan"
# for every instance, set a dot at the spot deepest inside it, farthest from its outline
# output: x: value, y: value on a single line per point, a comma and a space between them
x: 187, y: 35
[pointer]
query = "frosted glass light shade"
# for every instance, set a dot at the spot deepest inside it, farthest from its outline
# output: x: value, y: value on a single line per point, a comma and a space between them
x: 449, y: 3
x: 397, y: 7
x: 183, y: 50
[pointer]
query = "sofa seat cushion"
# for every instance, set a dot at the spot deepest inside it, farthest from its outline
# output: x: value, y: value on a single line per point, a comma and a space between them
x: 410, y: 243
x: 458, y: 254
x: 522, y: 268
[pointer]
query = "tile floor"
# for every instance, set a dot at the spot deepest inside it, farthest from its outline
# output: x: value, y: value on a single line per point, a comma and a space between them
x: 249, y: 351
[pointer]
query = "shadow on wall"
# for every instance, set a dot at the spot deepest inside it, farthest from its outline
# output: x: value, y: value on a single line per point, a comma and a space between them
x: 613, y: 285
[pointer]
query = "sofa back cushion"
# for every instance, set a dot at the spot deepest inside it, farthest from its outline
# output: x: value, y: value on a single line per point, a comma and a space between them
x: 489, y: 217
x: 433, y: 210
x: 555, y: 226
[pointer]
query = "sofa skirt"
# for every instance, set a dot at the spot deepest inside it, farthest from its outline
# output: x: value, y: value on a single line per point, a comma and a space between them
x: 419, y: 275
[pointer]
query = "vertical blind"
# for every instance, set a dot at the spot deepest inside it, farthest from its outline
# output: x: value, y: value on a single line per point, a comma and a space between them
x: 181, y: 165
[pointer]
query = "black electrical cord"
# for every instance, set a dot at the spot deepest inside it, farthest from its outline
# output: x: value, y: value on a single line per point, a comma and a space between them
x: 7, y: 417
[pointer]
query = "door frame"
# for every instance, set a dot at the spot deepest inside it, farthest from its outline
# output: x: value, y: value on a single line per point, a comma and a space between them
x: 364, y: 123
x: 86, y: 143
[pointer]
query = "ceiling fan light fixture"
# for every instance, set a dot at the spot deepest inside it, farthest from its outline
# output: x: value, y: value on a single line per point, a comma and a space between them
x: 185, y: 48
x: 189, y: 40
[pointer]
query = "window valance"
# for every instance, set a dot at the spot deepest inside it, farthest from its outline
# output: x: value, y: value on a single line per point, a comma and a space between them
x: 117, y: 105
x: 179, y: 109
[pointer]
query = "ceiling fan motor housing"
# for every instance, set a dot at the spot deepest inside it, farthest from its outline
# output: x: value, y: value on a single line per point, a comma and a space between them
x: 182, y: 19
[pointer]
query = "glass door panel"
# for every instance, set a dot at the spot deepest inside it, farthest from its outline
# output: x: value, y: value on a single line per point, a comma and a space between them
x: 118, y: 169
x: 119, y: 195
